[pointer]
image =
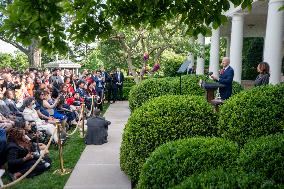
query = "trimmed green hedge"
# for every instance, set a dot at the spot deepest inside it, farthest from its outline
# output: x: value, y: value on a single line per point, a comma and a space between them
x: 129, y: 79
x: 237, y: 88
x: 126, y: 91
x: 154, y: 87
x: 170, y: 63
x: 190, y: 85
x: 147, y: 89
x: 219, y: 178
x: 173, y: 162
x: 252, y: 113
x: 161, y: 120
x: 265, y: 156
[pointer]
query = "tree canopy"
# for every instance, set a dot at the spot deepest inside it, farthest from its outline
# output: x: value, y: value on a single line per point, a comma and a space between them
x: 53, y: 22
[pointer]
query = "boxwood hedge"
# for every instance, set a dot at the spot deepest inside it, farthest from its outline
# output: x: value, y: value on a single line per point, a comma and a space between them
x: 161, y: 120
x: 229, y: 179
x: 265, y: 156
x: 148, y: 89
x: 155, y: 87
x: 173, y: 162
x: 126, y: 91
x: 252, y: 113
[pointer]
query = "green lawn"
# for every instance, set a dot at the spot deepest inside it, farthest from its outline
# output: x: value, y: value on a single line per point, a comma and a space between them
x: 72, y: 150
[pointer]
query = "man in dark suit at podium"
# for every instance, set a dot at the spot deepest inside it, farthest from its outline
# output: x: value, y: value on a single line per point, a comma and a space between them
x: 226, y: 78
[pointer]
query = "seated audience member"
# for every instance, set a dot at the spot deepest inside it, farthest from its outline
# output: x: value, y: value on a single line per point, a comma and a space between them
x: 30, y: 86
x: 3, y: 144
x: 9, y: 82
x: 5, y: 123
x: 22, y: 155
x: 50, y: 105
x: 30, y: 114
x: 97, y: 129
x: 9, y: 99
x: 4, y: 109
x: 68, y: 84
x: 263, y: 76
x: 83, y: 93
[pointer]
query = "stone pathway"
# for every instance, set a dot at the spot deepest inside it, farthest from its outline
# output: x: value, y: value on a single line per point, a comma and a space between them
x: 98, y: 166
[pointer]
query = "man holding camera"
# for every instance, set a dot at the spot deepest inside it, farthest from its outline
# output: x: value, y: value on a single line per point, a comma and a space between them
x: 97, y: 129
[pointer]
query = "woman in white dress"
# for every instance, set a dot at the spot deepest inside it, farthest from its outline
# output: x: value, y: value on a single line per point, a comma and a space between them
x: 30, y: 114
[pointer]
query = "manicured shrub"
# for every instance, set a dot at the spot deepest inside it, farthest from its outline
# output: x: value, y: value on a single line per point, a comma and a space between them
x: 161, y: 120
x: 126, y: 91
x: 190, y: 84
x: 237, y: 88
x: 170, y: 63
x: 265, y: 156
x: 149, y: 89
x: 173, y: 162
x: 128, y: 79
x: 252, y: 113
x: 229, y: 179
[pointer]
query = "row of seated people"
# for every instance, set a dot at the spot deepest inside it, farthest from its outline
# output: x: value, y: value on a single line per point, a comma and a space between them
x: 44, y: 111
x: 22, y: 150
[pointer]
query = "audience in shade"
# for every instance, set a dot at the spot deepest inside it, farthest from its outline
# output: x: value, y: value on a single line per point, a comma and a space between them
x: 33, y: 102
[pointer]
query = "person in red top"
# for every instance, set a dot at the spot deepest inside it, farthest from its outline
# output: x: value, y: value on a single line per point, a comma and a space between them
x: 70, y: 89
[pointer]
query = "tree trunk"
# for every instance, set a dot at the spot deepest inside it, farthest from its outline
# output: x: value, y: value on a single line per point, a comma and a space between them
x: 129, y: 61
x: 34, y: 55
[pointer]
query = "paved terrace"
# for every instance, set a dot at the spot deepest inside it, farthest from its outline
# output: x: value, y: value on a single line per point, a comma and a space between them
x: 98, y: 166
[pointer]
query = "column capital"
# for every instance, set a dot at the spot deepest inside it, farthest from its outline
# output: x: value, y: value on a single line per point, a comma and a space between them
x: 238, y: 16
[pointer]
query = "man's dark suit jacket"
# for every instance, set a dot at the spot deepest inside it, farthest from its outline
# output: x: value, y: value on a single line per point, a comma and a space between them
x: 119, y: 79
x: 226, y: 79
x: 97, y: 130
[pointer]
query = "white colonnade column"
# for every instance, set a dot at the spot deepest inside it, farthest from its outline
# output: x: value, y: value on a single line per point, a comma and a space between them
x: 214, y: 52
x: 190, y: 56
x: 228, y: 40
x: 237, y: 46
x: 274, y: 40
x: 200, y: 60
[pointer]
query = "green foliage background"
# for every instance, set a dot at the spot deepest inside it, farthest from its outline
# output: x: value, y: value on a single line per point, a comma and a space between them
x: 18, y: 62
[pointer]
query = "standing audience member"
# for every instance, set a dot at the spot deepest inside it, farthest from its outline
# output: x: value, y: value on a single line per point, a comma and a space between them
x: 263, y: 76
x: 226, y: 78
x: 120, y: 78
x: 55, y: 80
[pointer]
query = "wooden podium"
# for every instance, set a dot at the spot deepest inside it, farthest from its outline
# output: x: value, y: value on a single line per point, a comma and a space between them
x: 210, y: 89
